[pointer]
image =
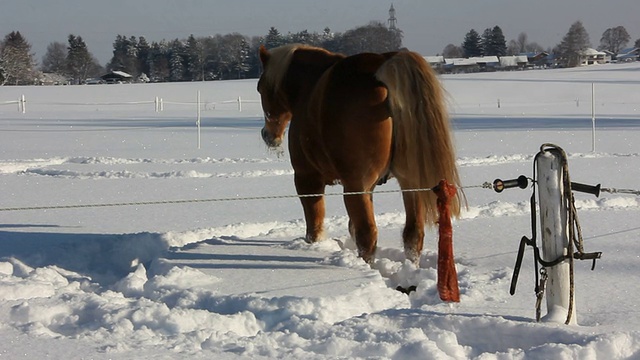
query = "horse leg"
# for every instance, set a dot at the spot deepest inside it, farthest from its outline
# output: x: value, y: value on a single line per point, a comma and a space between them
x: 413, y: 233
x: 362, y: 225
x: 313, y: 206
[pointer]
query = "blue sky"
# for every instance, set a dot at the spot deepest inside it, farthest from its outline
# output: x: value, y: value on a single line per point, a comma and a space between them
x: 428, y: 25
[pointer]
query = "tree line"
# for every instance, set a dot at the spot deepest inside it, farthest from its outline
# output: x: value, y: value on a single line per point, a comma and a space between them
x: 217, y: 57
x: 567, y: 53
x: 234, y: 56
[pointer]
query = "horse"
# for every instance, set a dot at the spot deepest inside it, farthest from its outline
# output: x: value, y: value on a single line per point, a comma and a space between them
x: 357, y: 121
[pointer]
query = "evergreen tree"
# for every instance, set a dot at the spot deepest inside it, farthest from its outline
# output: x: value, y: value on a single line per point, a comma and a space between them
x: 243, y: 66
x: 79, y: 60
x: 17, y: 60
x: 159, y: 69
x: 472, y: 44
x: 196, y: 59
x: 498, y: 42
x: 493, y: 42
x: 143, y: 52
x: 330, y: 40
x: 176, y: 60
x: 55, y: 59
x: 573, y: 43
x: 637, y: 43
x: 273, y: 39
x: 125, y: 55
x: 3, y: 77
x: 485, y: 42
x: 614, y: 39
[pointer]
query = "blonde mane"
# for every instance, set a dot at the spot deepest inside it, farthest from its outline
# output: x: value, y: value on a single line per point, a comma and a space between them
x: 279, y: 61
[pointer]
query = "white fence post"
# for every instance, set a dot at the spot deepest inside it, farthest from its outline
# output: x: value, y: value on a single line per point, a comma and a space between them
x: 555, y: 236
x: 22, y: 104
x: 239, y: 104
x: 593, y: 117
x: 198, y: 120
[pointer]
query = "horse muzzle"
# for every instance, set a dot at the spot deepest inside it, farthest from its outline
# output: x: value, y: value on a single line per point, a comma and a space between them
x: 271, y: 140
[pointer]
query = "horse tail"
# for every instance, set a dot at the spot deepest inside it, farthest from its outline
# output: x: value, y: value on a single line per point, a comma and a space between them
x: 423, y: 146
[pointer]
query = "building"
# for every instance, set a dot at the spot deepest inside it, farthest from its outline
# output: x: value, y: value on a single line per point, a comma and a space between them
x: 117, y: 77
x: 591, y: 56
x: 514, y: 62
x: 628, y: 55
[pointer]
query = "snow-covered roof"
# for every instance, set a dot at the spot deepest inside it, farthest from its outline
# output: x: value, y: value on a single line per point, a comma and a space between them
x: 628, y: 50
x: 121, y: 73
x: 591, y: 52
x: 434, y: 59
x: 472, y: 60
x: 514, y: 60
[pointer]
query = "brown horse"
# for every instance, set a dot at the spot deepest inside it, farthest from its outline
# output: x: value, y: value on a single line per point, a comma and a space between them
x: 357, y: 121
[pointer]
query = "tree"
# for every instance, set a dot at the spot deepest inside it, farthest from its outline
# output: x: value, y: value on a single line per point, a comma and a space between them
x: 80, y: 63
x: 196, y: 58
x: 17, y: 60
x: 159, y: 69
x: 374, y: 37
x: 451, y: 51
x: 637, y: 44
x: 2, y: 73
x: 498, y: 42
x: 485, y: 42
x: 125, y: 55
x: 55, y: 59
x: 573, y: 43
x: 513, y: 48
x: 471, y: 44
x: 273, y: 39
x: 614, y: 39
x: 176, y: 60
x: 143, y: 52
x: 493, y: 42
x: 521, y: 42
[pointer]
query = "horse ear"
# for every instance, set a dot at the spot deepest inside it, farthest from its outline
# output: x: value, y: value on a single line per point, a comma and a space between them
x: 264, y: 54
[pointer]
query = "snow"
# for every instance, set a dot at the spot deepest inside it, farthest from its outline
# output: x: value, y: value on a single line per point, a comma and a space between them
x: 234, y: 279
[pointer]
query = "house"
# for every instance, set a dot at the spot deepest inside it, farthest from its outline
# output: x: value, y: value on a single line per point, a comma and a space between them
x: 117, y: 77
x: 514, y: 62
x: 539, y: 59
x: 436, y: 62
x: 629, y: 54
x: 472, y: 64
x: 591, y: 56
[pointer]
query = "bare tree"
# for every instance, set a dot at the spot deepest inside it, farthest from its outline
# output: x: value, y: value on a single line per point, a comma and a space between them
x: 534, y: 47
x: 452, y: 51
x: 513, y: 48
x: 522, y: 42
x: 55, y: 59
x: 614, y: 39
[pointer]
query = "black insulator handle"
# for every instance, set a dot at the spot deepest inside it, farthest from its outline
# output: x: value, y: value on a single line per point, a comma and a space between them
x: 499, y: 185
x: 589, y: 189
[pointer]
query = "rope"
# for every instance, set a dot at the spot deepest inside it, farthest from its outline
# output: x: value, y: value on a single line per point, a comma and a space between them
x: 621, y: 191
x: 485, y: 185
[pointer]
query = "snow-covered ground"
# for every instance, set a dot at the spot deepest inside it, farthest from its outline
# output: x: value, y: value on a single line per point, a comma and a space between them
x: 233, y: 279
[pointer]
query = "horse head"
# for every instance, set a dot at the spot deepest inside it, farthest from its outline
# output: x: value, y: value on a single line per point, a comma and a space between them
x: 276, y: 108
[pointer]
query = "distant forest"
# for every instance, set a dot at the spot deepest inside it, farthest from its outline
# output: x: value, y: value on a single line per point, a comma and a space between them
x: 217, y: 57
x: 234, y: 56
